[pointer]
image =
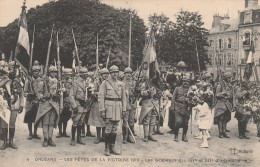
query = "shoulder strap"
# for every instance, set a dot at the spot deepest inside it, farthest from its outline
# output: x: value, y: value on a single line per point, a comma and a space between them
x: 113, y: 88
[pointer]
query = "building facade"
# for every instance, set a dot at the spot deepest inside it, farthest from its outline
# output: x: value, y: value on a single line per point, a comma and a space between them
x: 231, y: 40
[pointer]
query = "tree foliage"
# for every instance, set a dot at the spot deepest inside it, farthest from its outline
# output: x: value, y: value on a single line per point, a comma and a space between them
x: 176, y: 41
x: 87, y: 18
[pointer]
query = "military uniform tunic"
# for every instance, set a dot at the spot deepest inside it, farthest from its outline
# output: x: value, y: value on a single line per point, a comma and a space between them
x: 112, y: 101
x: 78, y: 99
x: 180, y: 107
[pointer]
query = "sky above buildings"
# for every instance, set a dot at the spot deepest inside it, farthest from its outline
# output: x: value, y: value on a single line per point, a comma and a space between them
x: 10, y: 9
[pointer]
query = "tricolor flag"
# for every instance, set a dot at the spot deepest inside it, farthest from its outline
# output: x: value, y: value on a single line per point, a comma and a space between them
x: 22, y: 50
x: 150, y: 67
x: 249, y: 64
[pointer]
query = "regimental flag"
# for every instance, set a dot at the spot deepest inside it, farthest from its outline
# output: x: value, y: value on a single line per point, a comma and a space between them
x: 150, y: 67
x: 22, y: 50
x: 249, y: 64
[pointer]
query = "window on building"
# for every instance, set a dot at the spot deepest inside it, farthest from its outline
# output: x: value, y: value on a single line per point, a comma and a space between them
x: 210, y: 59
x: 248, y: 17
x: 211, y: 44
x: 220, y: 59
x: 229, y: 59
x: 247, y: 39
x: 230, y: 43
x: 221, y: 43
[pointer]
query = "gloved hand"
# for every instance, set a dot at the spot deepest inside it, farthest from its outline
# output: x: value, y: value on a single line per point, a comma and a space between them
x: 20, y: 110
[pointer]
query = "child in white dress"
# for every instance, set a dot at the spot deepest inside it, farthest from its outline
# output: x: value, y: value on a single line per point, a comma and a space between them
x: 205, y: 120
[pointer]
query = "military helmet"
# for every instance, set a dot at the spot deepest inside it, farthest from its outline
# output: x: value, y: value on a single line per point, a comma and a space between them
x: 53, y: 69
x: 67, y: 71
x: 36, y: 63
x: 181, y: 64
x: 186, y: 78
x: 36, y: 68
x: 206, y: 75
x: 114, y: 68
x: 104, y: 71
x: 128, y: 70
x: 83, y: 70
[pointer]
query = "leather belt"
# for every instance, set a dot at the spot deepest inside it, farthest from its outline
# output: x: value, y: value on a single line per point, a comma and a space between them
x: 113, y: 99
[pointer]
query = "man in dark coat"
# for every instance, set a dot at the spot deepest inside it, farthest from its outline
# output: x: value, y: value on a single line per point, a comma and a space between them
x: 180, y: 108
x: 223, y: 107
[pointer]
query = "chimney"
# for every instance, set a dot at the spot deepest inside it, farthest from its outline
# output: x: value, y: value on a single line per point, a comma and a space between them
x: 216, y: 20
x: 251, y: 4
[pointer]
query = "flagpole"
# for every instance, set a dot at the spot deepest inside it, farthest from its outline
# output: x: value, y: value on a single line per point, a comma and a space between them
x: 130, y: 36
x: 108, y: 56
x: 197, y: 52
x: 97, y: 55
x: 31, y: 56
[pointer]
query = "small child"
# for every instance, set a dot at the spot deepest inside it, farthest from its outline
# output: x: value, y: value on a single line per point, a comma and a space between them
x: 205, y: 120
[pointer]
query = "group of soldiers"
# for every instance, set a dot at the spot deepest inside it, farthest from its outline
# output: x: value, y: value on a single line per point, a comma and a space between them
x: 102, y: 100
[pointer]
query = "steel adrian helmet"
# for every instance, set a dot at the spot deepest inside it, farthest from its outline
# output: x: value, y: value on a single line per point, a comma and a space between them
x: 36, y: 68
x: 128, y: 70
x: 104, y: 71
x: 114, y: 69
x: 67, y: 71
x: 181, y: 64
x: 53, y: 69
x: 83, y: 71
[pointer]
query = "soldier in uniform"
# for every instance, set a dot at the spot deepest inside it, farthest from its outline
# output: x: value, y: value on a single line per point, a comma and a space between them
x: 150, y: 109
x: 78, y: 100
x: 223, y: 107
x: 31, y: 107
x: 112, y: 105
x: 95, y: 115
x: 15, y: 104
x: 129, y: 117
x: 241, y: 96
x: 65, y: 115
x: 48, y: 112
x: 181, y: 109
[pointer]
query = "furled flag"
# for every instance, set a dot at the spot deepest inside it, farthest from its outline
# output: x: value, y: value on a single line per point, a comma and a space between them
x: 249, y: 64
x: 22, y: 50
x: 150, y: 67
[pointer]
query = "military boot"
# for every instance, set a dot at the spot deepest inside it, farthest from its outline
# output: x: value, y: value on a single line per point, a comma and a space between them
x: 103, y: 134
x: 112, y: 145
x: 220, y: 129
x: 73, y: 132
x: 150, y: 136
x: 4, y: 132
x: 107, y: 144
x: 35, y: 135
x: 125, y: 134
x: 79, y: 141
x: 45, y: 135
x: 224, y: 131
x: 98, y: 135
x: 89, y: 132
x: 30, y: 131
x: 11, y: 137
x: 176, y: 133
x: 244, y: 125
x: 50, y: 142
x: 146, y: 132
x: 60, y: 131
x: 184, y: 137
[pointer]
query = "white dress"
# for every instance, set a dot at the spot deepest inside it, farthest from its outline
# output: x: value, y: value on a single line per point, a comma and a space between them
x: 205, y: 116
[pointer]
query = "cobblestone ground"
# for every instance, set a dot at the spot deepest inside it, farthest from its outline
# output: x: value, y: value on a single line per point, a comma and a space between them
x: 165, y: 152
